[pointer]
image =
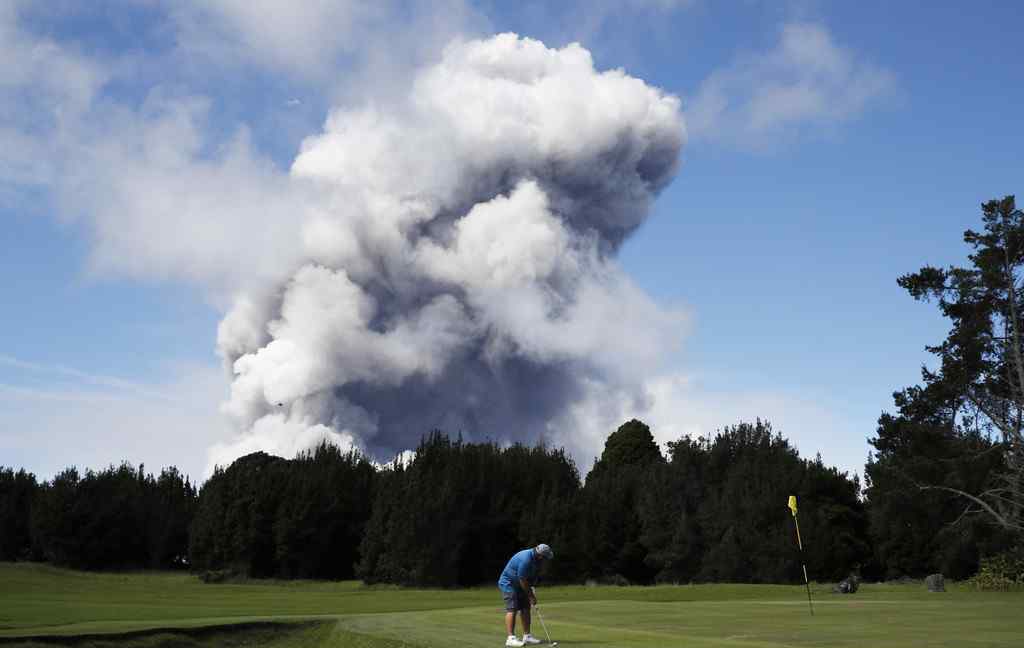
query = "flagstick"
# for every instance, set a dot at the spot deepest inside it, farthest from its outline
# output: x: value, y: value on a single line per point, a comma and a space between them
x: 800, y: 544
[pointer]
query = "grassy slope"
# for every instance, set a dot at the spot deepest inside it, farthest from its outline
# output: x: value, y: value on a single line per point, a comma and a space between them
x: 39, y: 600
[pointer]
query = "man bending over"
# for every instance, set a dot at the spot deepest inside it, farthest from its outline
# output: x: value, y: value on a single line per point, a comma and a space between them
x: 516, y: 585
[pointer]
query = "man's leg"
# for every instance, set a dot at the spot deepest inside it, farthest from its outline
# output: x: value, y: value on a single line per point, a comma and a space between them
x: 511, y: 603
x: 525, y: 613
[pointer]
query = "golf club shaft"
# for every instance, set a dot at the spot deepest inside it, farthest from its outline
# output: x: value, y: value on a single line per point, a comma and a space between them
x: 542, y: 624
x: 541, y: 616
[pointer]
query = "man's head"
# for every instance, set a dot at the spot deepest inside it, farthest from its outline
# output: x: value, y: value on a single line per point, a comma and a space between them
x: 544, y: 551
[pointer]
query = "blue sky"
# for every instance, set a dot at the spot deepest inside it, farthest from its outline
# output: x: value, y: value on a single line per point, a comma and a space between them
x: 782, y: 243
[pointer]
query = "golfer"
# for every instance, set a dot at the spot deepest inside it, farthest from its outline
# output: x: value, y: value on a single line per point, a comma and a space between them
x: 516, y: 585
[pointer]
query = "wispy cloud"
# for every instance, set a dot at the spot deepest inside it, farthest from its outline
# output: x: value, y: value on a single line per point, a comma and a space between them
x: 302, y: 39
x: 807, y: 81
x: 612, y: 29
x: 319, y: 42
x: 84, y: 377
x: 590, y: 18
x: 14, y: 392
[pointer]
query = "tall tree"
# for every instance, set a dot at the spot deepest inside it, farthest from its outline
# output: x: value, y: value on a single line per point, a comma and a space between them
x: 612, y: 529
x: 980, y: 380
x: 17, y: 490
x: 234, y: 522
x: 668, y: 505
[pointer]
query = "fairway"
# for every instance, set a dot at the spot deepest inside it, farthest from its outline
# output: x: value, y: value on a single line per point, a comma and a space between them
x: 61, y: 607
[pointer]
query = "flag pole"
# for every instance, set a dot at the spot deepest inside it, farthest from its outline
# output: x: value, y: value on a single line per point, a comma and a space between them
x: 800, y: 544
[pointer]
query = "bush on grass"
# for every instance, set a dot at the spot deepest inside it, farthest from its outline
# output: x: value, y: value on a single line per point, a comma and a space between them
x: 1001, y: 572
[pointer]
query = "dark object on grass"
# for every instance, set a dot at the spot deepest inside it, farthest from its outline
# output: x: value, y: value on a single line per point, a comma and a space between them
x: 935, y: 583
x: 217, y: 575
x: 848, y: 585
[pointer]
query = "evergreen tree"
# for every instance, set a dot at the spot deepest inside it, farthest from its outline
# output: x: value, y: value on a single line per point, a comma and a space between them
x: 17, y: 490
x: 981, y: 372
x: 266, y: 516
x: 612, y: 531
x: 234, y: 523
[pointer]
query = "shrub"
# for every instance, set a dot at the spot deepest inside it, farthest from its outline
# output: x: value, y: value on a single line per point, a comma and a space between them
x: 1004, y: 571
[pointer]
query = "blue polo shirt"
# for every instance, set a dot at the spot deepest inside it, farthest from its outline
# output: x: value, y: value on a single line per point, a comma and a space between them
x: 522, y: 565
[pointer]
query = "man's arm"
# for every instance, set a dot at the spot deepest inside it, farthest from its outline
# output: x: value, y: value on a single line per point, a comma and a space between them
x: 529, y: 590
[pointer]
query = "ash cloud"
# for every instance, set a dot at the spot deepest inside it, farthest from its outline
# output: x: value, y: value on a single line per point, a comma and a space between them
x: 456, y: 266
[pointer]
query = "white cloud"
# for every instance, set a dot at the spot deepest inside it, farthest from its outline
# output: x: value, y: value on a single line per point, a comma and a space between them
x: 303, y: 39
x: 164, y: 191
x: 164, y: 197
x: 504, y: 173
x: 341, y: 272
x: 336, y: 45
x: 807, y: 81
x: 464, y: 232
x: 277, y: 435
x: 45, y: 88
x: 161, y: 206
x: 61, y: 80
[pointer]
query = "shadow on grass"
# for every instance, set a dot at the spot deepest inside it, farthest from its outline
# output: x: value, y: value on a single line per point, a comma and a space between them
x: 240, y: 634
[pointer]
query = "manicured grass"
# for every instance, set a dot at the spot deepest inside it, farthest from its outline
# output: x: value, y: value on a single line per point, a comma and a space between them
x: 46, y: 602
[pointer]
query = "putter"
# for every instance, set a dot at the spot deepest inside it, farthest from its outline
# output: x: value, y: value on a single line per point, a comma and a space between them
x: 542, y: 624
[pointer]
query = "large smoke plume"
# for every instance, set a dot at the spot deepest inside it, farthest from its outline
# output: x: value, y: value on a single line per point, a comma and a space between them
x: 456, y: 266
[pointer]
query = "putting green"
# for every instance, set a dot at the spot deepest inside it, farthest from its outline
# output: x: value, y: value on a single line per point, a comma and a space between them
x: 60, y: 606
x: 873, y: 623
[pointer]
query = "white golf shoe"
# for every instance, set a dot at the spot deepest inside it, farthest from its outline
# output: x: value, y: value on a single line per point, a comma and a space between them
x: 530, y: 640
x: 512, y: 642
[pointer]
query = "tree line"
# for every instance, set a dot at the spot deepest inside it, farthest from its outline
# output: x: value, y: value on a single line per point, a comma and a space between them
x: 710, y: 509
x: 944, y: 486
x: 115, y: 518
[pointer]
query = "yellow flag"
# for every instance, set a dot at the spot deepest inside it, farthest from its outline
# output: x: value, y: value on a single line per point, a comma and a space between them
x: 792, y: 504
